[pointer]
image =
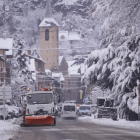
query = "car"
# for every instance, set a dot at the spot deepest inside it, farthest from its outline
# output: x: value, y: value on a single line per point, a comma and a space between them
x: 70, y: 101
x: 85, y: 110
x: 69, y: 110
x: 3, y: 112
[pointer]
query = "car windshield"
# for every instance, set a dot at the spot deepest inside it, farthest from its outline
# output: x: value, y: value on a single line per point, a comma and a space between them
x: 40, y: 98
x: 69, y: 108
x: 84, y: 108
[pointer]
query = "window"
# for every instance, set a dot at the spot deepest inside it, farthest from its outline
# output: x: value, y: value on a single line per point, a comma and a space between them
x: 39, y: 66
x: 47, y: 35
x: 69, y: 108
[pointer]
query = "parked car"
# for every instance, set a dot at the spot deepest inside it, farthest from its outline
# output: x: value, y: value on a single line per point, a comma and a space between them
x: 14, y: 112
x: 3, y: 112
x: 70, y: 101
x: 69, y: 110
x: 85, y: 110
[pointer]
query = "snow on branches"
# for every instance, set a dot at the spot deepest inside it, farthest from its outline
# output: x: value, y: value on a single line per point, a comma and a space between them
x: 116, y: 68
x: 23, y: 74
x: 20, y: 56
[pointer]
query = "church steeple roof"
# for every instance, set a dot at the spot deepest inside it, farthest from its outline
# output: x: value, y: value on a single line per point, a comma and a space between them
x: 48, y: 13
x: 48, y: 20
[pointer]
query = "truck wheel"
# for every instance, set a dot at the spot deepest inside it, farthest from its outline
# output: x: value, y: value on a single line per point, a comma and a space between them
x: 54, y: 121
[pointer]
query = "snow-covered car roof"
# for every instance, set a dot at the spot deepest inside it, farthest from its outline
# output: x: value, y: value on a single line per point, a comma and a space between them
x: 70, y: 104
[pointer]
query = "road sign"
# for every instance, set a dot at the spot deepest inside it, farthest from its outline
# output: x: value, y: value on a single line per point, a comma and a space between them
x: 81, y: 93
x: 6, y: 91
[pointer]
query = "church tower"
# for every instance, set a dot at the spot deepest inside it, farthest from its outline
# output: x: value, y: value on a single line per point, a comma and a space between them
x: 49, y: 39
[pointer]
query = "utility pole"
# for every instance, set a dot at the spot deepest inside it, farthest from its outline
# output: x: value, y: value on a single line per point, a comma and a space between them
x: 4, y: 99
x: 138, y: 100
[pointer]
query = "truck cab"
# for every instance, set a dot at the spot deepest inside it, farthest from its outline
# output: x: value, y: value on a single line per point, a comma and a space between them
x: 40, y: 103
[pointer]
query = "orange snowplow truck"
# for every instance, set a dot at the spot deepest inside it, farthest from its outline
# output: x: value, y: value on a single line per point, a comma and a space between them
x: 40, y: 108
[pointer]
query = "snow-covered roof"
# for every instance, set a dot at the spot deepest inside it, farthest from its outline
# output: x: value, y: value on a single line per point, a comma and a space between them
x: 71, y: 36
x: 74, y: 36
x: 70, y: 62
x: 74, y: 70
x: 36, y: 58
x: 7, y: 43
x: 47, y: 22
x: 60, y: 59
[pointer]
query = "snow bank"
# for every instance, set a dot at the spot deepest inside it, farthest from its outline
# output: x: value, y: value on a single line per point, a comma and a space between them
x: 7, y: 129
x: 109, y: 122
x: 13, y: 109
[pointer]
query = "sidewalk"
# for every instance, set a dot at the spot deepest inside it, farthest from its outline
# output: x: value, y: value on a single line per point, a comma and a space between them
x: 7, y: 129
x: 121, y: 123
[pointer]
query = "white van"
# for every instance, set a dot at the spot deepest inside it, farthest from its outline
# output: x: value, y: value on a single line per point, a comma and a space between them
x: 69, y: 110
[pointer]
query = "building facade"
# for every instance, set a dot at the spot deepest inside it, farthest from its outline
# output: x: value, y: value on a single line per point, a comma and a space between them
x: 49, y: 43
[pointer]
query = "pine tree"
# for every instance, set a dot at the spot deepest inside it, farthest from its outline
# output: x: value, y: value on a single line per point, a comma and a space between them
x: 117, y: 69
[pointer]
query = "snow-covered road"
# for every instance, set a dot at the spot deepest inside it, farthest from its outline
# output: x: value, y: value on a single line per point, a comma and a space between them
x: 122, y: 123
x: 84, y: 128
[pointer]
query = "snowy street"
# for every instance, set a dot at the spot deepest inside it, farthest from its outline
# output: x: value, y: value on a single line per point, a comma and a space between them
x: 81, y: 129
x: 75, y: 59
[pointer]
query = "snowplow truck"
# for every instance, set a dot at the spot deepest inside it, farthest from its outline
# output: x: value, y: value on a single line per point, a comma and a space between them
x: 39, y: 109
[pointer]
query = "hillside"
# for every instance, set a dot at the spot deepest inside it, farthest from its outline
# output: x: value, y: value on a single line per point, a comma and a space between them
x: 100, y: 22
x: 23, y: 18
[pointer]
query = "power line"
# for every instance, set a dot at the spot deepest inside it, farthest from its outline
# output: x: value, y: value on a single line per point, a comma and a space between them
x: 48, y: 80
x: 48, y: 49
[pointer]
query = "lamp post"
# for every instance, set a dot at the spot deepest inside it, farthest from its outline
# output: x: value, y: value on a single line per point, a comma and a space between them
x: 3, y: 72
x: 138, y: 100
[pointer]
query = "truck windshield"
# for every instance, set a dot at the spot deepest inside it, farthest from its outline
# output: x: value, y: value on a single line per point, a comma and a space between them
x: 40, y: 98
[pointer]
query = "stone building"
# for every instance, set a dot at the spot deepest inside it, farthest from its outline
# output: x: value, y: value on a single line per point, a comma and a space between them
x: 49, y: 40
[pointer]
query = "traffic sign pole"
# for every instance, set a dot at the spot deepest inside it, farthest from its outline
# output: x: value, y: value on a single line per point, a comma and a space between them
x: 4, y: 100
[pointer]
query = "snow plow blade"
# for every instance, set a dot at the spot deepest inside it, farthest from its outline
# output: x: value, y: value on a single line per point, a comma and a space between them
x: 39, y: 121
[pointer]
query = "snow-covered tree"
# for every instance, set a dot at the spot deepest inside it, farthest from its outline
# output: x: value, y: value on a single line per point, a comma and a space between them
x: 21, y: 74
x: 116, y: 68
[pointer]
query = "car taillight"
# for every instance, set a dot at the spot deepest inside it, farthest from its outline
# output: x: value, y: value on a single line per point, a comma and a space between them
x: 62, y: 113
